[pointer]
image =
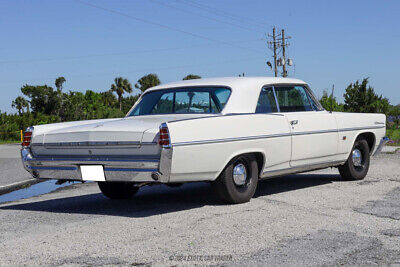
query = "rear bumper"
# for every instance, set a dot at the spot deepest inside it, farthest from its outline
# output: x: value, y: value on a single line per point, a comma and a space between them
x: 382, y: 143
x: 122, y: 169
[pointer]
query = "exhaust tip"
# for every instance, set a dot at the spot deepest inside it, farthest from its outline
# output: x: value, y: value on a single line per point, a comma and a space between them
x: 156, y: 176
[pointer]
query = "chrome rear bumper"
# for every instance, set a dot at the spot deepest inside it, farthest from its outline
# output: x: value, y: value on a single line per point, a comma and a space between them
x: 123, y: 169
x: 382, y: 143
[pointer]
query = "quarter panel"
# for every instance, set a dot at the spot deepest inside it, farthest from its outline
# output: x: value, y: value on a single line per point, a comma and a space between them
x: 352, y: 125
x: 203, y: 147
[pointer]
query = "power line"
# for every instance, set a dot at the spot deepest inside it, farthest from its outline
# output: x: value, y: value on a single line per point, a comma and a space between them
x: 115, y: 54
x: 207, y: 17
x: 165, y: 26
x: 148, y: 69
x: 222, y: 13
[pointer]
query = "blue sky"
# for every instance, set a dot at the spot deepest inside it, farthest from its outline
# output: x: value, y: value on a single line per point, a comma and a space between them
x: 333, y: 42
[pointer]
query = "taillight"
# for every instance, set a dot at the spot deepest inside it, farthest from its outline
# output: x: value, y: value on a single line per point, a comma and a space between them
x: 26, y: 141
x: 164, y: 139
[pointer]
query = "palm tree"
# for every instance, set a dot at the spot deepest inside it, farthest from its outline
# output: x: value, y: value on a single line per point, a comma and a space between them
x: 191, y: 77
x: 20, y: 103
x: 59, y: 84
x: 120, y: 86
x: 147, y: 81
x: 108, y: 98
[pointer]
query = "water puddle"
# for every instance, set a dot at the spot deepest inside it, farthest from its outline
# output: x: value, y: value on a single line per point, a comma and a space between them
x: 32, y: 191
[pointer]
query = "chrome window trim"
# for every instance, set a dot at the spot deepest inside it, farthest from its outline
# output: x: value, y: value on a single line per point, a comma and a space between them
x: 276, y: 99
x: 307, y: 89
x: 178, y: 88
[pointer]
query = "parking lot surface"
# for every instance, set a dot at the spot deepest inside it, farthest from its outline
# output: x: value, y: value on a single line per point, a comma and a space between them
x: 306, y: 219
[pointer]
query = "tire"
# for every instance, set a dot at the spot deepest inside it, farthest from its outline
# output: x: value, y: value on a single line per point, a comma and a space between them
x: 352, y: 169
x: 174, y: 185
x: 118, y: 190
x: 229, y: 188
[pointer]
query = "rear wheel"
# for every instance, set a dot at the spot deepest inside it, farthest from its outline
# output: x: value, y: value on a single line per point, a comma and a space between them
x: 238, y: 182
x: 118, y: 190
x: 357, y: 164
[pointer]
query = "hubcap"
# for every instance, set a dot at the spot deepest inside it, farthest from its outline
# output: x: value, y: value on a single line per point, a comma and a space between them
x: 357, y: 157
x: 239, y: 174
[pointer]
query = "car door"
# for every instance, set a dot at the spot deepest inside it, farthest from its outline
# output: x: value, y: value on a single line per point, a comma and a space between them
x: 277, y: 148
x: 314, y: 130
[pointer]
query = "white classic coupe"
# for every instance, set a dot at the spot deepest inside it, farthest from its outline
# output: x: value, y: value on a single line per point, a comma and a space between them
x: 229, y: 131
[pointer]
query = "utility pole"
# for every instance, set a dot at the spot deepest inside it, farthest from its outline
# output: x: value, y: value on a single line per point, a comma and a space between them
x: 284, y: 73
x: 275, y: 68
x: 273, y: 45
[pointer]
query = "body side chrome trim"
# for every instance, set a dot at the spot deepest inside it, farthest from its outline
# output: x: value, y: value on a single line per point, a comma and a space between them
x: 129, y: 170
x: 91, y: 159
x: 52, y: 168
x: 360, y: 128
x: 302, y: 168
x: 316, y: 132
x: 93, y: 144
x: 233, y: 139
x: 230, y: 139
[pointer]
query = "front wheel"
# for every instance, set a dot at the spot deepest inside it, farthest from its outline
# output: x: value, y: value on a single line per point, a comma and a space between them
x: 238, y: 182
x: 357, y: 164
x: 118, y: 190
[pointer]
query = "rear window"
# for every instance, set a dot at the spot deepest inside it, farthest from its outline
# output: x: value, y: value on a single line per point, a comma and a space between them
x: 182, y: 101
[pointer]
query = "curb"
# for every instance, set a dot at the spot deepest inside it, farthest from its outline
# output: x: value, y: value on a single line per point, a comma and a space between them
x: 19, y: 185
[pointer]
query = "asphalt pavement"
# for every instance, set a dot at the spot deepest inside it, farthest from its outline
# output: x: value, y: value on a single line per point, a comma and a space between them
x: 309, y: 219
x: 11, y: 169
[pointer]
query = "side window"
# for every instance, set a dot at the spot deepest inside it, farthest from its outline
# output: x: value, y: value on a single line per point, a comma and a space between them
x: 164, y: 105
x: 292, y: 99
x: 314, y: 102
x: 266, y: 101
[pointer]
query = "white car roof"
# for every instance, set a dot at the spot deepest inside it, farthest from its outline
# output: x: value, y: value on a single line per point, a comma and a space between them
x: 245, y: 90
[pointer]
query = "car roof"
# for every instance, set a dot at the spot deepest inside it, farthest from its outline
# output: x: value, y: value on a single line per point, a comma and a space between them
x: 232, y: 82
x: 245, y: 90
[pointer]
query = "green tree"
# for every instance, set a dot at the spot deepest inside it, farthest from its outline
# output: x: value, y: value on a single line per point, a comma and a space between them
x: 59, y: 84
x: 42, y: 98
x: 108, y: 99
x: 128, y: 102
x: 360, y: 97
x: 147, y: 81
x: 20, y: 103
x: 120, y: 86
x: 394, y: 113
x: 191, y: 77
x: 329, y: 102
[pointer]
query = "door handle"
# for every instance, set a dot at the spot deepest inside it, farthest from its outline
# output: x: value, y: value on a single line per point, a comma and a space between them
x: 294, y: 122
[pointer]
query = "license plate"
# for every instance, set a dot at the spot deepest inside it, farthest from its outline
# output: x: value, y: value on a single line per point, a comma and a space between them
x: 93, y: 173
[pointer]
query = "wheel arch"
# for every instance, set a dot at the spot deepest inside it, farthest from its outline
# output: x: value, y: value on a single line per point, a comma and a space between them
x: 369, y: 137
x: 260, y: 158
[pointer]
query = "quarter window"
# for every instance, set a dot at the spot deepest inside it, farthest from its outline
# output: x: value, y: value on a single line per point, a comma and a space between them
x: 266, y: 101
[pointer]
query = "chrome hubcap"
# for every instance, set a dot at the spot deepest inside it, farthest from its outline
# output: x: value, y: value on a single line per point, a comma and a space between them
x: 239, y: 174
x: 357, y: 158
